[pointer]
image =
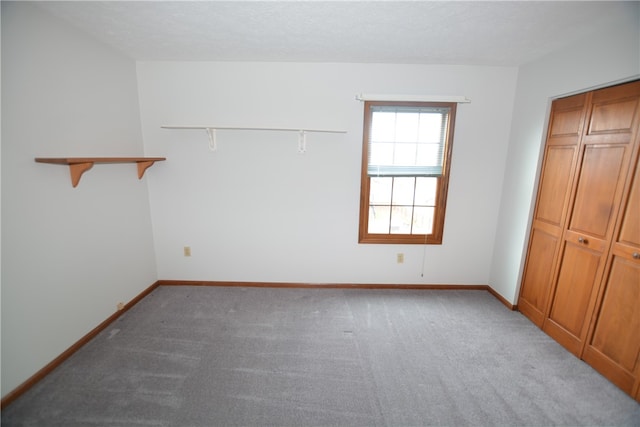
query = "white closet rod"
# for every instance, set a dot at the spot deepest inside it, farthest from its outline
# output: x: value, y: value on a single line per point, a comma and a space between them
x: 251, y: 128
x: 211, y: 133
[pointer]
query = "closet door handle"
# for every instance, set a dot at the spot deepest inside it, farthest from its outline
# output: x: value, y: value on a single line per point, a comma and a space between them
x: 582, y: 240
x: 636, y: 255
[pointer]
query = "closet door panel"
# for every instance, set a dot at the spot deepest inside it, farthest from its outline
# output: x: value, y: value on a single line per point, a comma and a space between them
x: 630, y: 229
x: 599, y: 180
x: 618, y: 327
x: 554, y: 184
x: 537, y: 275
x: 614, y: 349
x: 614, y: 346
x: 566, y: 121
x: 547, y: 231
x: 554, y: 191
x: 614, y: 113
x: 579, y: 269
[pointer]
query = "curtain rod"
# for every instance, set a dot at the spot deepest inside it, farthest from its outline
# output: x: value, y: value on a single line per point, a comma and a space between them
x: 416, y: 98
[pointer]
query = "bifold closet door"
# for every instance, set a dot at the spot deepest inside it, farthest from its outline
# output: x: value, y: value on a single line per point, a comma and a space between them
x: 613, y: 348
x: 558, y: 168
x: 605, y: 155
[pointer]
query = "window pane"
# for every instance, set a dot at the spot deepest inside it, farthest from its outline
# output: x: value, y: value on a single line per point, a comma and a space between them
x: 379, y: 219
x: 429, y: 155
x: 401, y: 219
x: 403, y: 189
x: 430, y: 127
x: 381, y: 154
x: 407, y: 127
x: 423, y: 220
x: 383, y: 126
x: 405, y: 154
x: 426, y: 191
x: 380, y: 191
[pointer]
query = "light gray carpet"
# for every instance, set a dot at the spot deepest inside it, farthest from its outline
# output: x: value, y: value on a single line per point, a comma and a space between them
x: 207, y: 356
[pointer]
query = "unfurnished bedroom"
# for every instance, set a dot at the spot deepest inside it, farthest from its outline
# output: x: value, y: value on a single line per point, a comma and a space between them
x: 377, y: 213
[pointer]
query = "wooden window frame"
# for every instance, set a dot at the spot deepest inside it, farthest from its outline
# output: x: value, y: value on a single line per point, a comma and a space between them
x: 436, y: 237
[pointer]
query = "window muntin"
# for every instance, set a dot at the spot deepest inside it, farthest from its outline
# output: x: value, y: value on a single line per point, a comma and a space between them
x: 406, y: 153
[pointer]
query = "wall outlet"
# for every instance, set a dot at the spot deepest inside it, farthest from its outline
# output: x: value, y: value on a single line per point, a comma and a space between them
x: 120, y: 306
x: 400, y: 258
x: 187, y: 251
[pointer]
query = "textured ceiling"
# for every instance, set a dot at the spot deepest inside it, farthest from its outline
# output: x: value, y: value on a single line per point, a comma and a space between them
x: 416, y: 32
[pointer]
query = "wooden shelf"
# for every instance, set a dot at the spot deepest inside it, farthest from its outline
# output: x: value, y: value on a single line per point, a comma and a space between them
x: 79, y: 165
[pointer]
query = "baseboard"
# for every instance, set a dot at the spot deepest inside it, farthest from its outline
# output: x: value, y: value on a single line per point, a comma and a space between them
x: 338, y: 286
x: 22, y: 388
x: 503, y: 300
x: 317, y: 285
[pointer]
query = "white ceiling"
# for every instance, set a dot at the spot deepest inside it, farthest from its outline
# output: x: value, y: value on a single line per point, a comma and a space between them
x: 506, y: 33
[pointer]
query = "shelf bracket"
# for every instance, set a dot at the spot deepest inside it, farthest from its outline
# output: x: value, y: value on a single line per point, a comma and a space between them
x: 143, y: 166
x: 79, y: 165
x: 76, y: 170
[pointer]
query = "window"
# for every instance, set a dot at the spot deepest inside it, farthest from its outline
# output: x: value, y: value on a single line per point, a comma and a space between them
x: 406, y: 159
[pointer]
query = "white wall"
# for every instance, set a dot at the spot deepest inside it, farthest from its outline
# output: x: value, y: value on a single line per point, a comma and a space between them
x: 256, y: 210
x: 609, y: 56
x: 69, y: 255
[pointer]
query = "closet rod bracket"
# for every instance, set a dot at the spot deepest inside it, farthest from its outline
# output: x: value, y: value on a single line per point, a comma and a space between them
x: 211, y: 133
x: 302, y: 141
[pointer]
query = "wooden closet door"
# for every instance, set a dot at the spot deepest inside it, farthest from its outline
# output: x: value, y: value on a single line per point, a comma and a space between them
x: 558, y: 167
x: 604, y: 160
x: 613, y: 348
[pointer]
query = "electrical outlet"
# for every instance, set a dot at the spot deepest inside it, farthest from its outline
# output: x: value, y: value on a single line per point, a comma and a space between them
x: 187, y: 251
x: 120, y: 306
x: 400, y: 258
